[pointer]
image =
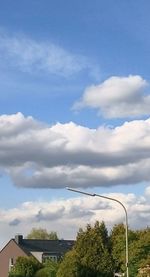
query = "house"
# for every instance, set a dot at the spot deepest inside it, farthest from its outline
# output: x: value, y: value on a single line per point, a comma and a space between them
x: 40, y: 249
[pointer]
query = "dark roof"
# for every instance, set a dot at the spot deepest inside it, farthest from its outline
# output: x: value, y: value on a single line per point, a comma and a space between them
x: 50, y: 246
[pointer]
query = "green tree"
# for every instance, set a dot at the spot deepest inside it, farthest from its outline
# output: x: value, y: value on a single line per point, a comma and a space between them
x: 25, y: 267
x: 91, y: 256
x: 139, y: 248
x: 93, y: 249
x: 40, y: 233
x: 118, y: 247
x: 49, y: 269
x: 144, y: 269
x: 69, y: 265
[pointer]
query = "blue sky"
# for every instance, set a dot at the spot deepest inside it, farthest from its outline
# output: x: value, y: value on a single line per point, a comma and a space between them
x: 74, y: 94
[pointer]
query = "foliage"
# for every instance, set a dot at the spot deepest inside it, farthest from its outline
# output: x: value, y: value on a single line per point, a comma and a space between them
x: 40, y: 233
x: 118, y: 245
x: 30, y: 267
x: 91, y: 256
x: 139, y: 248
x: 49, y: 269
x: 144, y: 269
x: 69, y: 266
x: 25, y: 267
x: 95, y: 254
x: 93, y: 248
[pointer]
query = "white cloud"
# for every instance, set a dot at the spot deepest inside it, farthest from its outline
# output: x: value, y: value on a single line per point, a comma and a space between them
x: 35, y: 154
x: 118, y: 97
x: 74, y: 213
x: 147, y: 192
x: 33, y: 57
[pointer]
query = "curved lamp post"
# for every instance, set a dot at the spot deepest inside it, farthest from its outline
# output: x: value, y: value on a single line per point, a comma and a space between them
x: 126, y: 219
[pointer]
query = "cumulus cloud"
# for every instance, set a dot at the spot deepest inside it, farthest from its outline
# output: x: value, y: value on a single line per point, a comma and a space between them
x: 75, y: 213
x: 14, y: 222
x: 33, y: 56
x: 38, y: 155
x: 118, y: 97
x: 49, y: 215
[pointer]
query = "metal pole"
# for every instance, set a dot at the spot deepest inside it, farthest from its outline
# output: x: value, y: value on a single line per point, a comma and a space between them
x: 126, y: 220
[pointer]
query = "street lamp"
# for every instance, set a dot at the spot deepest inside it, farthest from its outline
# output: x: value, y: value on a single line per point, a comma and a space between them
x: 126, y: 219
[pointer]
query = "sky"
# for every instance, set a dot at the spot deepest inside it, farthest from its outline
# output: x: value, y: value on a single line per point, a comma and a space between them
x: 74, y: 111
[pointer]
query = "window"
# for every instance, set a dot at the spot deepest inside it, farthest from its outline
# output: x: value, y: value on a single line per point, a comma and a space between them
x: 49, y: 256
x: 11, y: 263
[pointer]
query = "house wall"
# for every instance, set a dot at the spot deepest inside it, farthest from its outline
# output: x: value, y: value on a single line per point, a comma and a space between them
x: 47, y: 255
x: 10, y: 251
x: 37, y: 255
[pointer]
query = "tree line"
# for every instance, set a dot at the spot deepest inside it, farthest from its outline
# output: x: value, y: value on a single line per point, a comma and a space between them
x: 96, y: 253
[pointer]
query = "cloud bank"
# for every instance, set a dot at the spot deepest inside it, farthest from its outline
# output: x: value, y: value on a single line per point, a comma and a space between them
x: 118, y: 97
x: 37, y: 155
x: 75, y: 213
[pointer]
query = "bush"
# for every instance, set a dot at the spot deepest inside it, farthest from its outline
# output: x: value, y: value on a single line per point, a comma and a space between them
x: 25, y: 267
x: 49, y: 270
x: 45, y: 272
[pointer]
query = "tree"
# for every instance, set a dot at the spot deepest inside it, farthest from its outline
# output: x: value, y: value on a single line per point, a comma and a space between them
x: 49, y: 269
x: 69, y: 266
x: 139, y: 251
x: 91, y: 256
x: 93, y: 248
x: 25, y: 267
x: 139, y: 248
x: 144, y: 269
x: 118, y: 247
x: 40, y: 233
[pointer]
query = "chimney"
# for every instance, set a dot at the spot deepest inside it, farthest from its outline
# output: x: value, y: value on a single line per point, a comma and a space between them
x: 18, y: 239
